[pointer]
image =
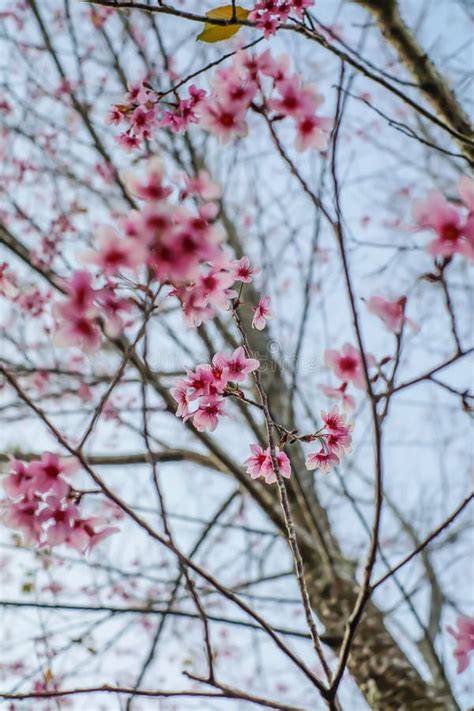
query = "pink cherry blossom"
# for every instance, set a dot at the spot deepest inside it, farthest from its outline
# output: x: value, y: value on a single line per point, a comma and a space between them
x: 324, y: 460
x: 237, y: 366
x: 207, y: 415
x: 243, y: 271
x: 19, y: 480
x: 83, y: 535
x: 77, y: 328
x: 59, y: 516
x: 184, y: 112
x: 268, y: 15
x: 180, y: 394
x: 284, y: 466
x: 262, y: 313
x: 453, y: 236
x: 347, y: 365
x: 77, y: 316
x: 202, y: 382
x: 225, y: 122
x: 152, y: 187
x: 464, y: 636
x: 295, y: 100
x: 338, y: 438
x: 23, y: 515
x: 392, y: 313
x: 214, y: 288
x: 259, y: 464
x: 255, y: 464
x: 299, y: 6
x: 49, y: 473
x: 115, y: 253
x: 127, y: 141
x: 313, y: 132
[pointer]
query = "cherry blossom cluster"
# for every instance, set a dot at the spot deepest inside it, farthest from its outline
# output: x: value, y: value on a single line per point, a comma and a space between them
x: 142, y: 111
x: 270, y: 14
x: 266, y: 85
x: 84, y: 309
x: 391, y: 313
x: 252, y: 81
x: 179, y: 246
x: 335, y: 439
x: 207, y: 385
x: 43, y: 506
x: 452, y: 224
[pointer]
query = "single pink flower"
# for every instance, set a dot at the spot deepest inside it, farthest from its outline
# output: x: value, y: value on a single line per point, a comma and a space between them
x: 236, y: 366
x: 262, y: 313
x: 205, y: 380
x: 180, y: 394
x: 59, y: 516
x: 23, y: 515
x: 255, y: 464
x: 464, y: 636
x: 225, y: 122
x: 324, y: 460
x: 452, y: 235
x: 295, y: 100
x: 348, y: 365
x: 392, y: 313
x: 207, y: 415
x: 83, y: 536
x: 49, y: 473
x: 115, y: 253
x: 127, y: 141
x: 313, y: 132
x: 243, y: 271
x: 284, y: 466
x: 152, y: 187
x: 19, y: 480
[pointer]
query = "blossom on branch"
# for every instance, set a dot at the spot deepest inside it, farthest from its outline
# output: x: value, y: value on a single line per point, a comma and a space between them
x: 41, y: 504
x: 464, y: 636
x: 260, y: 464
x: 348, y: 365
x: 262, y: 313
x: 454, y: 231
x: 207, y: 385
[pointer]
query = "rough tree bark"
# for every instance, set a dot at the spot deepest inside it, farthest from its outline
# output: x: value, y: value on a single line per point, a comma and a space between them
x: 431, y: 82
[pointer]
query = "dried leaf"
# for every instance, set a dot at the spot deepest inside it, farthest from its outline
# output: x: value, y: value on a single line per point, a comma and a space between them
x: 217, y: 33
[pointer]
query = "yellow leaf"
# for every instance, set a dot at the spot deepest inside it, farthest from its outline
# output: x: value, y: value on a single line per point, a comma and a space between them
x: 217, y: 33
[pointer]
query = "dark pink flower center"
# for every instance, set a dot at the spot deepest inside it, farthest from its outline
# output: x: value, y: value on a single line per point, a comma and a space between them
x: 450, y: 232
x: 348, y: 364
